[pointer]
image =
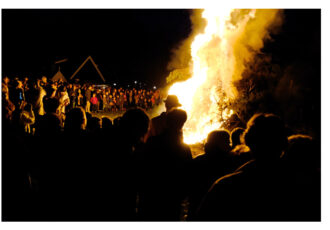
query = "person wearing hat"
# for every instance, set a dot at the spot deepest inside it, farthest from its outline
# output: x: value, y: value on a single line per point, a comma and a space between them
x: 171, y: 101
x: 157, y: 124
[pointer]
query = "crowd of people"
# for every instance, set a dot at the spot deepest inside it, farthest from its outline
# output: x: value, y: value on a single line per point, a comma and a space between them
x: 77, y: 167
x: 92, y: 98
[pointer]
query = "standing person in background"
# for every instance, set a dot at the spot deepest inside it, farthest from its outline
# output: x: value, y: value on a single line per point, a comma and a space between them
x: 7, y: 108
x: 51, y: 90
x: 145, y: 103
x: 17, y: 95
x: 43, y: 81
x: 5, y: 84
x: 99, y: 99
x: 72, y: 95
x: 152, y: 100
x: 94, y: 102
x: 121, y: 101
x: 88, y: 94
x: 111, y: 104
x: 130, y: 98
x: 83, y: 90
x: 136, y: 98
x: 105, y: 101
x: 26, y: 84
x: 157, y: 97
x: 38, y: 104
x: 64, y: 100
x: 80, y: 98
x: 27, y: 118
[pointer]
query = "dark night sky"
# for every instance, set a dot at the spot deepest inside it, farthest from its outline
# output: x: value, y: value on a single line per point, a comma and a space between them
x: 126, y: 44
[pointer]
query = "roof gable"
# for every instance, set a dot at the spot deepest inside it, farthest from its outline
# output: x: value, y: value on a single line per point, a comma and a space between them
x: 89, y: 58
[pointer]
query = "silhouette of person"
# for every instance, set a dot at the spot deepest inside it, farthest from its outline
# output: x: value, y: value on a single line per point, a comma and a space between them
x: 256, y: 190
x: 166, y: 171
x: 240, y: 152
x: 27, y: 118
x: 118, y: 168
x: 216, y: 162
x: 157, y: 124
x: 303, y: 178
x: 235, y: 136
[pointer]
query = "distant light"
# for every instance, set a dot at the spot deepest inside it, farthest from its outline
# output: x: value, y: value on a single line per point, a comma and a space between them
x: 114, y: 84
x: 128, y: 86
x: 135, y: 82
x: 155, y: 87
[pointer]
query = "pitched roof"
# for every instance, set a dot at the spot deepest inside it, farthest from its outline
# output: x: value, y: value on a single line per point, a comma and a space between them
x: 59, y: 76
x: 82, y: 65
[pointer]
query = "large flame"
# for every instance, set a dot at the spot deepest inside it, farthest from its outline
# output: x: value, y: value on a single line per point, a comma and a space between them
x: 218, y: 58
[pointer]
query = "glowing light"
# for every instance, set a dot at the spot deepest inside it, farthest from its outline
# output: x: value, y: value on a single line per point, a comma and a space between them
x: 218, y: 58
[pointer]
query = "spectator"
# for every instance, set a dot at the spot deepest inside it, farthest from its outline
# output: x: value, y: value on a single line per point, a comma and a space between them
x: 63, y: 99
x: 235, y: 136
x: 8, y: 106
x: 82, y: 168
x: 166, y: 172
x: 216, y: 162
x: 38, y: 103
x: 88, y: 94
x: 94, y: 102
x: 17, y: 94
x: 27, y: 118
x: 5, y: 86
x: 49, y: 125
x: 256, y: 190
x: 157, y: 124
x: 80, y: 98
x: 303, y: 178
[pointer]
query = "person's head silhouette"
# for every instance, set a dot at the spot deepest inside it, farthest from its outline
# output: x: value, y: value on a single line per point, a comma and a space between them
x: 266, y: 136
x: 171, y: 101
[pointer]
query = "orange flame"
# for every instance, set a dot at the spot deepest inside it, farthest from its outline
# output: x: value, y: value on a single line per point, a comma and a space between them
x: 218, y: 57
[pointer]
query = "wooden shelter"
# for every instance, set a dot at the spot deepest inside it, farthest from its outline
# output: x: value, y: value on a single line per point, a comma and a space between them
x: 89, y: 58
x: 59, y: 76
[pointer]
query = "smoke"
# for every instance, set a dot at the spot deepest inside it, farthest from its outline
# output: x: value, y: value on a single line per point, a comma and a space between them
x: 251, y: 29
x: 251, y: 39
x: 181, y: 55
x: 158, y: 109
